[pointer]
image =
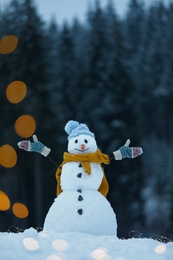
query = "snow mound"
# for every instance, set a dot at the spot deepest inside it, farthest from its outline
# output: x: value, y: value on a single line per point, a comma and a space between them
x: 31, y: 245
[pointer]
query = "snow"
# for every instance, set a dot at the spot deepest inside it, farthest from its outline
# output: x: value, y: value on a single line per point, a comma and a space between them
x: 97, y: 216
x: 31, y: 245
x: 86, y: 182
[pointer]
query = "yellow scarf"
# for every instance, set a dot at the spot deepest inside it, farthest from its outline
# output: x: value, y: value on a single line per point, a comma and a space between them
x: 85, y: 160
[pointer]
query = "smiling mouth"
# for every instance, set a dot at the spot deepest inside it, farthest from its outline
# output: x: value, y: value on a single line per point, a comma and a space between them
x: 81, y: 150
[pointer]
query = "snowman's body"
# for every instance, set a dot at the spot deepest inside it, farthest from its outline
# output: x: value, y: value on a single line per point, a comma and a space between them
x: 80, y: 207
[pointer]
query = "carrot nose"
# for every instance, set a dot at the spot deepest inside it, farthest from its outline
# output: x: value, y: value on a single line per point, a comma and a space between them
x: 82, y: 147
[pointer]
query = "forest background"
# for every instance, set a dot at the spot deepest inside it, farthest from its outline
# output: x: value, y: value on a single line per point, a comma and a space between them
x: 115, y: 75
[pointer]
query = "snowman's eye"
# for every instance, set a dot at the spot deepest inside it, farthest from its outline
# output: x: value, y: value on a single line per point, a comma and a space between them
x: 76, y: 141
x: 86, y: 141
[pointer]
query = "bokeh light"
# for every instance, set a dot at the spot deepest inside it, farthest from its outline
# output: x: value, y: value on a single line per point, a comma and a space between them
x: 160, y: 249
x: 54, y: 257
x: 16, y: 91
x: 100, y: 254
x: 8, y: 156
x: 20, y: 210
x: 8, y: 44
x: 58, y: 256
x: 60, y: 245
x: 25, y: 126
x: 30, y: 244
x: 4, y: 201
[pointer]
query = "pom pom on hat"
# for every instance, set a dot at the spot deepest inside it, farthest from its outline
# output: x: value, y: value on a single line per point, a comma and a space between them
x: 70, y: 126
x: 74, y: 129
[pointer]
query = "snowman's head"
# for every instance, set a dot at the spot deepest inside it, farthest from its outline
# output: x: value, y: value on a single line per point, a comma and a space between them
x: 82, y: 144
x: 81, y: 139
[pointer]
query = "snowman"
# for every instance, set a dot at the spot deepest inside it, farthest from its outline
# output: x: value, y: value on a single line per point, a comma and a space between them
x: 81, y: 204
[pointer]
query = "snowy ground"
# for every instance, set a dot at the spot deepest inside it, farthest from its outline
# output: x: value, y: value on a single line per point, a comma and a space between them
x: 31, y: 245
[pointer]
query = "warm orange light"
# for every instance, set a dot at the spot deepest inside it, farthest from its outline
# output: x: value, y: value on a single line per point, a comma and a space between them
x: 160, y: 249
x: 8, y: 44
x: 20, y: 210
x: 16, y: 91
x: 8, y: 156
x: 25, y: 126
x: 4, y: 201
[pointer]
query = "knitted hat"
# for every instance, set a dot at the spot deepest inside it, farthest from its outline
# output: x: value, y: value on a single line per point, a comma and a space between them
x: 74, y: 128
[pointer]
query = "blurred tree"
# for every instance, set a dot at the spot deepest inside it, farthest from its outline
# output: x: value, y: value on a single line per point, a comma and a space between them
x: 157, y: 189
x: 157, y: 128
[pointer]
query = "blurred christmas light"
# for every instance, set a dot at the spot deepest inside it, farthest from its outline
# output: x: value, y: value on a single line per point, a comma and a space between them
x: 8, y: 44
x: 161, y: 239
x: 160, y: 249
x: 4, y: 201
x: 20, y: 210
x: 25, y: 126
x: 100, y: 254
x: 60, y: 245
x: 14, y: 229
x: 30, y: 244
x: 8, y: 156
x: 16, y: 91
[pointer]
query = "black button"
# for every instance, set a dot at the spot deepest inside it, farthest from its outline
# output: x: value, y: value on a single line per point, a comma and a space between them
x: 80, y: 198
x: 79, y: 175
x: 80, y: 165
x: 80, y: 191
x: 80, y: 211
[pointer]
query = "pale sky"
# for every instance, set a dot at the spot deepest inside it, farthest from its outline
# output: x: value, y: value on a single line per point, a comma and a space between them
x: 68, y: 9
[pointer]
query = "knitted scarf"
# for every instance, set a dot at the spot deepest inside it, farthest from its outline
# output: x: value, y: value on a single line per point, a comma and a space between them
x: 85, y: 160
